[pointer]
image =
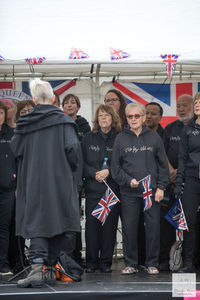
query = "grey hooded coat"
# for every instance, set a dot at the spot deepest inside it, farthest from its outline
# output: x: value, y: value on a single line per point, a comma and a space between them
x: 48, y: 153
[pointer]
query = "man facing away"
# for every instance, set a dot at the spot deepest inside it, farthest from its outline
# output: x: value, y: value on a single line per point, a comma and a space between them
x: 47, y: 149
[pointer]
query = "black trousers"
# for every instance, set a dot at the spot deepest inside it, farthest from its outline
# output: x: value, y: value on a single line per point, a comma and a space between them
x: 47, y: 250
x: 167, y: 235
x: 6, y: 207
x: 100, y: 240
x: 190, y: 202
x: 131, y: 208
x: 167, y: 231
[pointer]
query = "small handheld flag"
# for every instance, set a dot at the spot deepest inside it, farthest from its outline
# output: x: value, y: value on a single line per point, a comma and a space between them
x: 116, y: 54
x: 170, y: 61
x: 147, y: 192
x: 35, y: 60
x: 176, y: 216
x: 77, y: 54
x: 104, y: 206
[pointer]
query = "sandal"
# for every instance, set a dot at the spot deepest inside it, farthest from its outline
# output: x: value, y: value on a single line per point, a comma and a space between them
x: 129, y: 270
x: 152, y: 270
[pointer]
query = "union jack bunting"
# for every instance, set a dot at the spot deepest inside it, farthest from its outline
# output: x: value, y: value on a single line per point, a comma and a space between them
x: 116, y: 54
x: 35, y: 60
x: 77, y: 54
x: 147, y: 192
x: 104, y: 206
x: 176, y: 216
x: 1, y: 58
x: 170, y: 61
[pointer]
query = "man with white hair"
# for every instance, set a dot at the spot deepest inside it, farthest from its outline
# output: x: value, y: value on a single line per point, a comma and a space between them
x: 47, y: 149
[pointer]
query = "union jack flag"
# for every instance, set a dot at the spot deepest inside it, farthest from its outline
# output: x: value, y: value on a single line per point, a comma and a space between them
x: 35, y: 60
x: 19, y: 90
x: 179, y: 235
x: 147, y: 192
x: 176, y: 216
x: 116, y: 54
x: 170, y: 61
x: 104, y: 206
x: 1, y: 58
x: 77, y: 54
x: 163, y: 94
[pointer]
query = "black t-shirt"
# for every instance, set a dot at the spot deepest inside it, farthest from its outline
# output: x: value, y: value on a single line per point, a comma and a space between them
x: 172, y: 136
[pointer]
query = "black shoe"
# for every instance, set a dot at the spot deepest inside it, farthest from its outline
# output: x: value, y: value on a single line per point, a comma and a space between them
x: 164, y: 266
x: 187, y: 269
x: 105, y: 269
x: 90, y: 270
x: 5, y: 271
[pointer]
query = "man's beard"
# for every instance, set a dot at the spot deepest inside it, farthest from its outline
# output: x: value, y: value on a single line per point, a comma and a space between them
x: 187, y: 118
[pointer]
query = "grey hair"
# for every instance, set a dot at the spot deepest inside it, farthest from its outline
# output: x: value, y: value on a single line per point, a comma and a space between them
x: 41, y: 91
x: 135, y: 105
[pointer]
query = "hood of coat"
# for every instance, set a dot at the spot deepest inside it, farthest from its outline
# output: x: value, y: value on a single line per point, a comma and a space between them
x: 42, y: 116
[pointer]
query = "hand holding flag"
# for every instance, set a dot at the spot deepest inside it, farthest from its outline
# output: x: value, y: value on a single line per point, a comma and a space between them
x: 104, y: 206
x: 176, y: 216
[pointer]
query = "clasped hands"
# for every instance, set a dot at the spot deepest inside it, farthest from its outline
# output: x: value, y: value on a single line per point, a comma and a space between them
x: 101, y: 175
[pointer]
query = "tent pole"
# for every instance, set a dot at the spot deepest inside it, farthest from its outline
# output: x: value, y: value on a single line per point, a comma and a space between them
x: 97, y: 89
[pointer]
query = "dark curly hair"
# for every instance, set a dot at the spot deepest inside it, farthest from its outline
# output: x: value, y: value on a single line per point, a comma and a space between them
x: 122, y: 104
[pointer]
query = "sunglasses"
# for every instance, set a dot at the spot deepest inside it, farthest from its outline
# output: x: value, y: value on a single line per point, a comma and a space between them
x: 136, y: 116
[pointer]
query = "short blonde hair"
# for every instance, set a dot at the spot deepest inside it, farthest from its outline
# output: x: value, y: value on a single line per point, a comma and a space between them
x: 197, y: 96
x: 41, y: 91
x: 135, y: 105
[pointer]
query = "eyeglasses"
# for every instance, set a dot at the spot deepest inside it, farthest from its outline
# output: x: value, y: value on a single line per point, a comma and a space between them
x: 136, y: 116
x: 111, y: 100
x: 25, y: 111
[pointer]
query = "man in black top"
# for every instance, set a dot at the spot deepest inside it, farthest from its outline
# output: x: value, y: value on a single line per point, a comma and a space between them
x: 154, y: 114
x: 171, y: 138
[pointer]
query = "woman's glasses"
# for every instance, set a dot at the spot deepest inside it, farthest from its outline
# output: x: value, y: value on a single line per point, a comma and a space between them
x: 111, y: 100
x: 136, y: 116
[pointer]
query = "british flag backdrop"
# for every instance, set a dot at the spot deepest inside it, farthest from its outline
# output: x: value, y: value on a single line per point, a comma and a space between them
x: 164, y: 94
x: 20, y: 90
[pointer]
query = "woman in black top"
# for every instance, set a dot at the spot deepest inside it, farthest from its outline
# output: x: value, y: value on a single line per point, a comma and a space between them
x: 7, y: 188
x: 138, y: 152
x: 96, y: 145
x: 189, y: 173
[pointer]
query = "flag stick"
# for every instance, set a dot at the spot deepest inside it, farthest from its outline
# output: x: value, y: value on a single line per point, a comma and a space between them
x: 111, y: 190
x: 143, y: 178
x: 184, y: 213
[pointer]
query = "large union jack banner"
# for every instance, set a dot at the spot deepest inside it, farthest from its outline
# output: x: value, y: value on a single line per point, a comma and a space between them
x: 164, y: 94
x: 176, y: 216
x: 104, y: 206
x: 147, y: 192
x: 20, y: 90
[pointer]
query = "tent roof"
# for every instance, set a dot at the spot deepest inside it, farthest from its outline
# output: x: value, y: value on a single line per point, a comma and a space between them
x: 145, y: 29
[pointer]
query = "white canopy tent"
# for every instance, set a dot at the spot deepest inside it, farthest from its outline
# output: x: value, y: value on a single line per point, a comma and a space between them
x: 145, y: 29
